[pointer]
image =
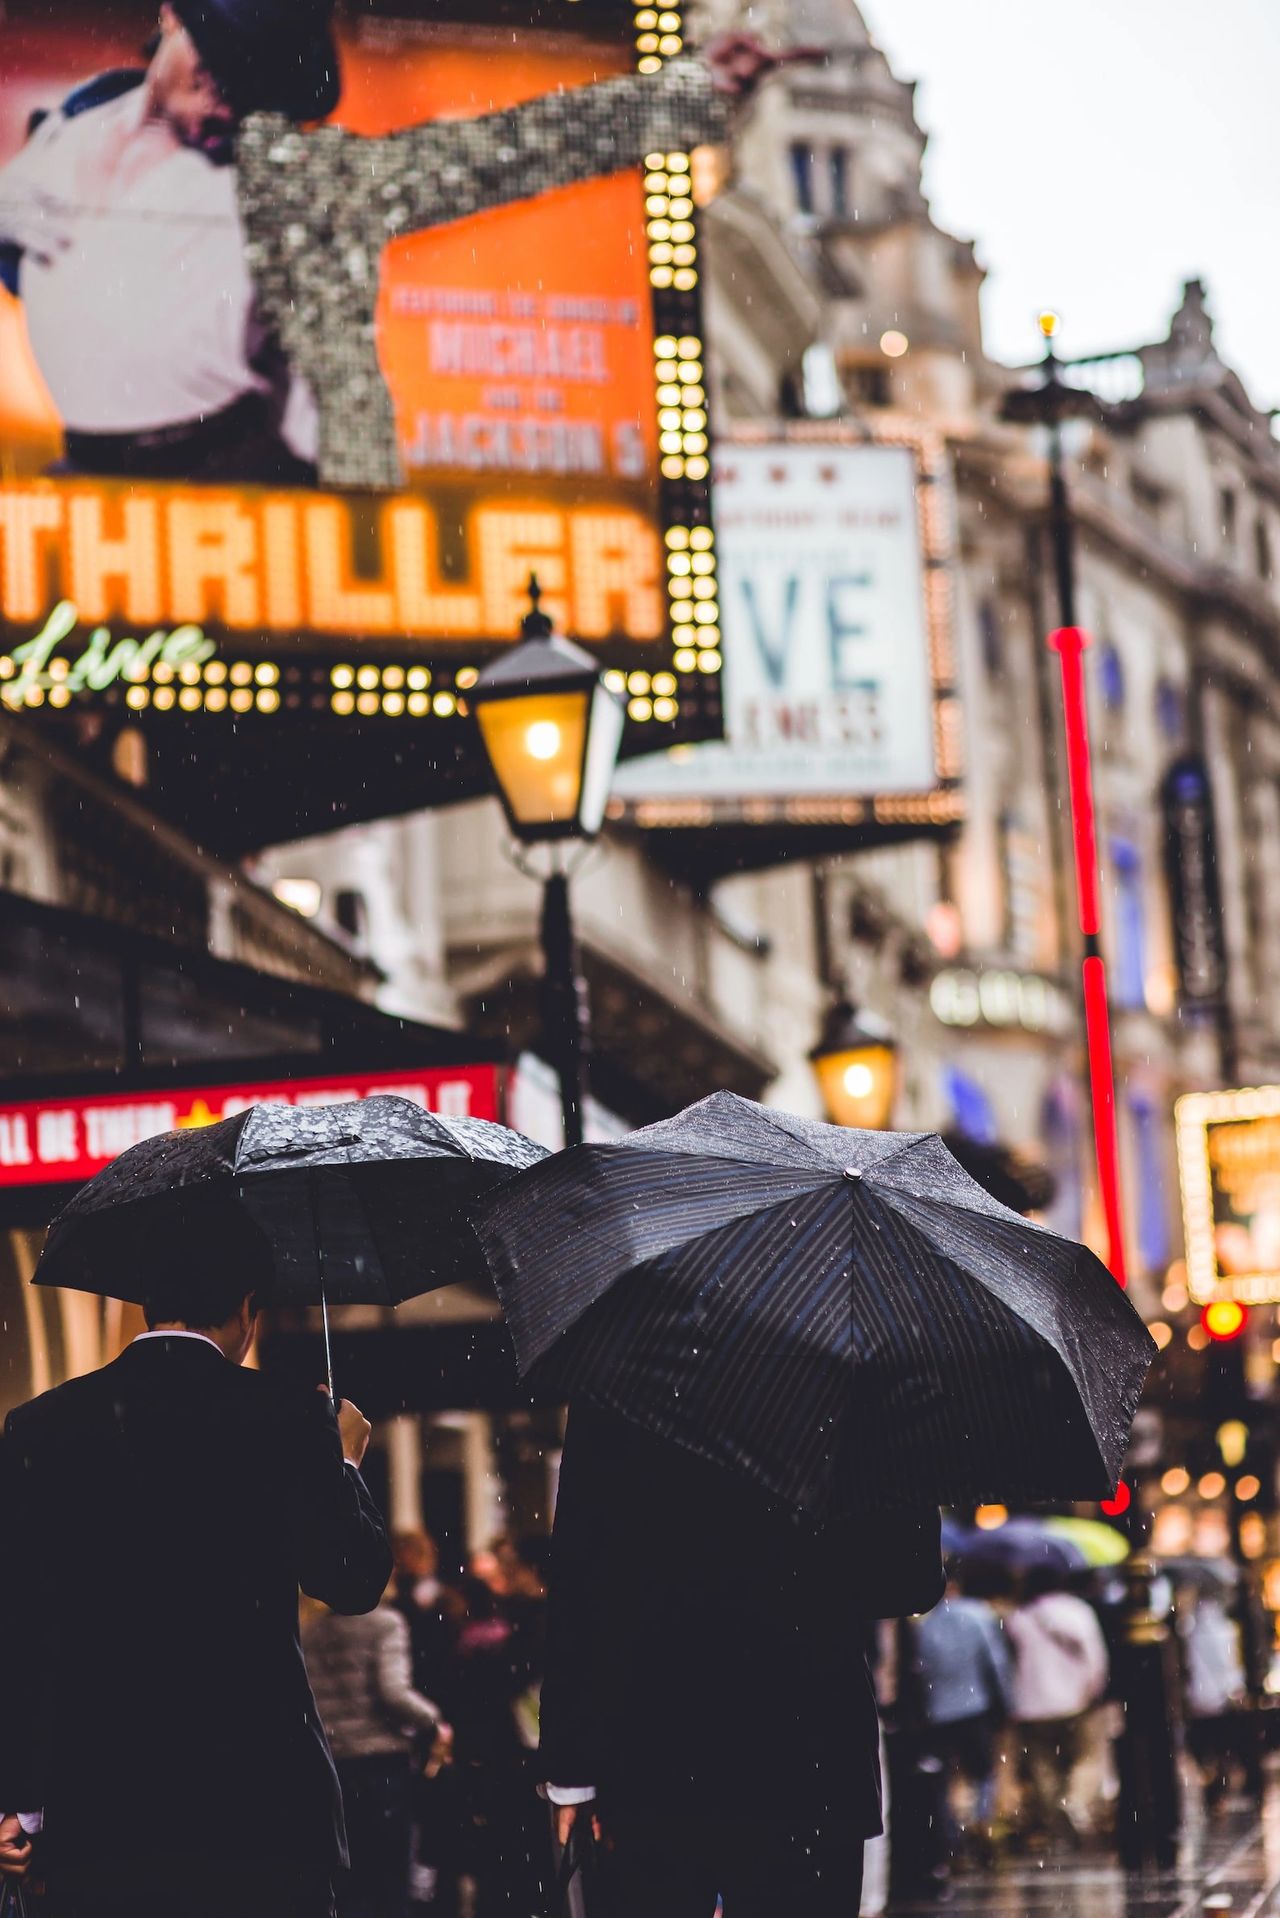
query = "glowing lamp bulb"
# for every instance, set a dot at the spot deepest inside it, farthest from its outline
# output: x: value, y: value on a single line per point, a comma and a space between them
x: 1049, y: 322
x: 1224, y: 1319
x: 542, y: 741
x: 858, y: 1081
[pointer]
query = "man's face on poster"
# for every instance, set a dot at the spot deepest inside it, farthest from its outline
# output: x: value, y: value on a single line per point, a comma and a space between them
x: 186, y: 94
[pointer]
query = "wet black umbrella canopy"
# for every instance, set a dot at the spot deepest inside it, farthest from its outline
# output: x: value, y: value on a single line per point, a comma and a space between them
x: 844, y: 1315
x: 362, y: 1203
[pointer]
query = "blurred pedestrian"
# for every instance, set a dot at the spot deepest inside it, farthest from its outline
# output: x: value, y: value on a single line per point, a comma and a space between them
x: 966, y: 1679
x: 1214, y: 1693
x: 1060, y: 1673
x: 707, y: 1678
x: 510, y: 1843
x: 430, y: 1608
x: 361, y: 1675
x: 433, y: 1611
x: 159, y: 1711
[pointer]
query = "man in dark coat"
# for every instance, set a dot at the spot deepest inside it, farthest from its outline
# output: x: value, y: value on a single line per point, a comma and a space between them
x: 161, y: 1515
x: 707, y: 1699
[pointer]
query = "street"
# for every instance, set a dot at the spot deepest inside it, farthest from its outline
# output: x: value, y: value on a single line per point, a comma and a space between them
x: 1233, y: 1868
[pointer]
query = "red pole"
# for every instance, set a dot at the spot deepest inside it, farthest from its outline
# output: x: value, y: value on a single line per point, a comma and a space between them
x: 1069, y: 642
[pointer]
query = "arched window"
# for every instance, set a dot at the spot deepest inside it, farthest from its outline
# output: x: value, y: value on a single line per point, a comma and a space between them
x: 1111, y: 678
x: 802, y: 175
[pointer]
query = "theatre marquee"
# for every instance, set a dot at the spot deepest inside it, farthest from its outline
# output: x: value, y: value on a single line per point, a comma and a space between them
x: 545, y: 411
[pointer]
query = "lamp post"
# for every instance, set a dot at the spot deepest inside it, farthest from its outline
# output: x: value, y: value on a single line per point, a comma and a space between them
x: 856, y: 1065
x: 1051, y: 403
x: 551, y: 730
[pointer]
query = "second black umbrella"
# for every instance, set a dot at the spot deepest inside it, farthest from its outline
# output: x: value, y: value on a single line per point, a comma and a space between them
x: 363, y: 1203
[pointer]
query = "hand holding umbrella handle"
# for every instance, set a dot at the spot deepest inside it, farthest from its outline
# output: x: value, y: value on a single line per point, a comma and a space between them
x: 354, y: 1428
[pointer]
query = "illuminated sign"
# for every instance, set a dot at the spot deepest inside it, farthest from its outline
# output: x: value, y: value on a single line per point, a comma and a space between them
x: 962, y: 996
x: 834, y: 602
x: 284, y: 563
x: 63, y: 1141
x: 331, y: 428
x: 96, y: 660
x: 1229, y: 1167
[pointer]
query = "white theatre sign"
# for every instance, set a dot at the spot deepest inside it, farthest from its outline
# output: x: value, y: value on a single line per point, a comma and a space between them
x: 833, y: 639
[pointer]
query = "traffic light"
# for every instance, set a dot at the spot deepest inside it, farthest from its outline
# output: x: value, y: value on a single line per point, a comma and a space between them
x: 1225, y: 1320
x: 1119, y: 1502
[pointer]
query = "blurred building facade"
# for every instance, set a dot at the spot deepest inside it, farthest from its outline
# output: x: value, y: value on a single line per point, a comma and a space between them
x: 830, y: 290
x: 831, y: 293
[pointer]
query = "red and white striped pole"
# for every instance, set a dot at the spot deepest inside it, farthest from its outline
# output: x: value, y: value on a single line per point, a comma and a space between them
x: 1069, y: 641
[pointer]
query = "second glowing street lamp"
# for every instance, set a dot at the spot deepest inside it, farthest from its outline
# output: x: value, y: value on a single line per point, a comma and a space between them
x: 856, y: 1065
x: 551, y: 729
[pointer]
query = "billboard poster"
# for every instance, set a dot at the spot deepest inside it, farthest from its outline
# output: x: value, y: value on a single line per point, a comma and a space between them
x: 1229, y: 1169
x: 289, y: 412
x: 836, y: 657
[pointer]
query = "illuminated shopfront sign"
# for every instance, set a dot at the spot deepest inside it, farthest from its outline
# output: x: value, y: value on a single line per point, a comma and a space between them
x: 544, y: 405
x: 964, y: 996
x: 63, y: 1141
x: 1229, y: 1167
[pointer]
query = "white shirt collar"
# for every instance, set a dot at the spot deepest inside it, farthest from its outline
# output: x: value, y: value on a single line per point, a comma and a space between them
x: 180, y: 1335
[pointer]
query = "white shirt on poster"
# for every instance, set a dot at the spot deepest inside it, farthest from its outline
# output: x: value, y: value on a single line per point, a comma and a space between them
x: 138, y: 300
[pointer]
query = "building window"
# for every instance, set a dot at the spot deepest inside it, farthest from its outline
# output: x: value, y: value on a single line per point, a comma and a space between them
x: 1171, y: 711
x: 351, y: 911
x: 971, y: 1111
x: 868, y: 385
x: 1262, y: 550
x: 1024, y: 875
x: 1154, y: 1245
x: 989, y: 634
x: 1227, y: 514
x: 1111, y: 678
x: 1061, y: 1133
x: 840, y: 196
x: 1130, y: 972
x: 802, y: 175
x: 821, y: 391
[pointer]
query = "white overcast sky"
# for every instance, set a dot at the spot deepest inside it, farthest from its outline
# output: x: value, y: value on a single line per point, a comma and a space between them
x: 1100, y: 153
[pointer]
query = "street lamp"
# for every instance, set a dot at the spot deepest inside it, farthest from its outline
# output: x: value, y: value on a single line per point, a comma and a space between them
x: 856, y: 1065
x: 1052, y: 403
x: 551, y: 730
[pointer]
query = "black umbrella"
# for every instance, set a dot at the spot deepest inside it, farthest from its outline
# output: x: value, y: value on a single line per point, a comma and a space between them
x: 363, y: 1203
x: 844, y: 1315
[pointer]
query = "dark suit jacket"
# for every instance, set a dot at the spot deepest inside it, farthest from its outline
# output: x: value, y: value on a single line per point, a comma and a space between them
x: 159, y: 1517
x: 707, y: 1649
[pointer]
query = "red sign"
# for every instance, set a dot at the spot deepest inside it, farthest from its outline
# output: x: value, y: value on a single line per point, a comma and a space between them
x: 63, y: 1141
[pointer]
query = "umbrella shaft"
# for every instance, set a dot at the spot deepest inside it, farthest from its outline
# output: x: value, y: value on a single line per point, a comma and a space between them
x: 328, y: 1349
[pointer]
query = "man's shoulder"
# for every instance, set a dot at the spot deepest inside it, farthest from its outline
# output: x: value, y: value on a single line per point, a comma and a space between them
x: 61, y: 1408
x: 280, y: 1403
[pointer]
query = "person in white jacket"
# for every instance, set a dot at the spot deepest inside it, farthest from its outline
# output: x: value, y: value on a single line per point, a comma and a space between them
x: 1060, y: 1673
x: 361, y: 1677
